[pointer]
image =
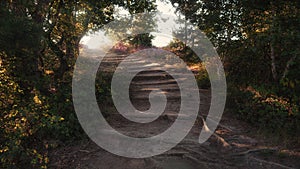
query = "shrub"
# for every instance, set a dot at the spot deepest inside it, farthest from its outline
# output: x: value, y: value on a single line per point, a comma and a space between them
x: 264, y: 109
x: 184, y: 52
x: 31, y: 120
x: 203, y: 78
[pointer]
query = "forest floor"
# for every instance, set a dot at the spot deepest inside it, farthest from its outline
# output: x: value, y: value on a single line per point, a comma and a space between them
x: 233, y: 145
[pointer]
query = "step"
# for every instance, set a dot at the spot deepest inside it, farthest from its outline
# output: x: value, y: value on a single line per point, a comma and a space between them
x: 154, y: 82
x: 155, y: 88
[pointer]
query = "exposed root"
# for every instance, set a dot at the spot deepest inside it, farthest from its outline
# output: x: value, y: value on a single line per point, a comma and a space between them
x: 255, y: 150
x: 203, y: 156
x: 222, y: 140
x: 219, y: 138
x: 196, y: 161
x: 273, y: 164
x: 220, y: 125
x: 176, y: 153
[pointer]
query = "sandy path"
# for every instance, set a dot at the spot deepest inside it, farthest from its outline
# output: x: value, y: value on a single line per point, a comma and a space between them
x: 230, y: 147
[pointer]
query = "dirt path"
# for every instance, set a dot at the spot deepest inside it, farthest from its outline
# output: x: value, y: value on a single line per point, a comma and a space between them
x: 230, y: 147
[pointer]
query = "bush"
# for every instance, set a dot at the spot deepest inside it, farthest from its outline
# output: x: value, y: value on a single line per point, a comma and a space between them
x: 184, y: 52
x: 22, y: 119
x: 32, y: 122
x: 264, y: 109
x: 203, y: 78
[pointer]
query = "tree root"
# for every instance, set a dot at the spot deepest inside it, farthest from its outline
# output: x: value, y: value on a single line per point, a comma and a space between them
x: 255, y: 150
x: 270, y: 163
x: 220, y: 125
x: 195, y: 160
x: 222, y: 140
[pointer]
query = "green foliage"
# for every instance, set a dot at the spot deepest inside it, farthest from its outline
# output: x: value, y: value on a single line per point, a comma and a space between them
x: 30, y: 120
x: 249, y: 67
x: 203, y: 79
x: 39, y: 43
x: 21, y: 122
x: 138, y: 25
x: 258, y: 44
x: 103, y: 93
x: 141, y: 40
x: 184, y: 52
x: 188, y: 56
x: 261, y: 107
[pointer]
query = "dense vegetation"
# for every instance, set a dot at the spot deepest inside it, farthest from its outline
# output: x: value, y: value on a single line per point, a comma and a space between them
x: 39, y: 43
x: 258, y: 44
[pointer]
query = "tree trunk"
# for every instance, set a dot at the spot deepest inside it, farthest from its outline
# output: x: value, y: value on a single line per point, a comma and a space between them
x: 273, y: 63
x: 288, y: 64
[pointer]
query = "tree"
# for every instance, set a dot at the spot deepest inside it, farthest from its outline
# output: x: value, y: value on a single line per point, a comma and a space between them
x: 129, y: 29
x: 258, y: 43
x: 256, y: 25
x: 39, y: 42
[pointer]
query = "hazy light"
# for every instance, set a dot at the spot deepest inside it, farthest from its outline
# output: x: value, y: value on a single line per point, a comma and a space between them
x: 159, y: 40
